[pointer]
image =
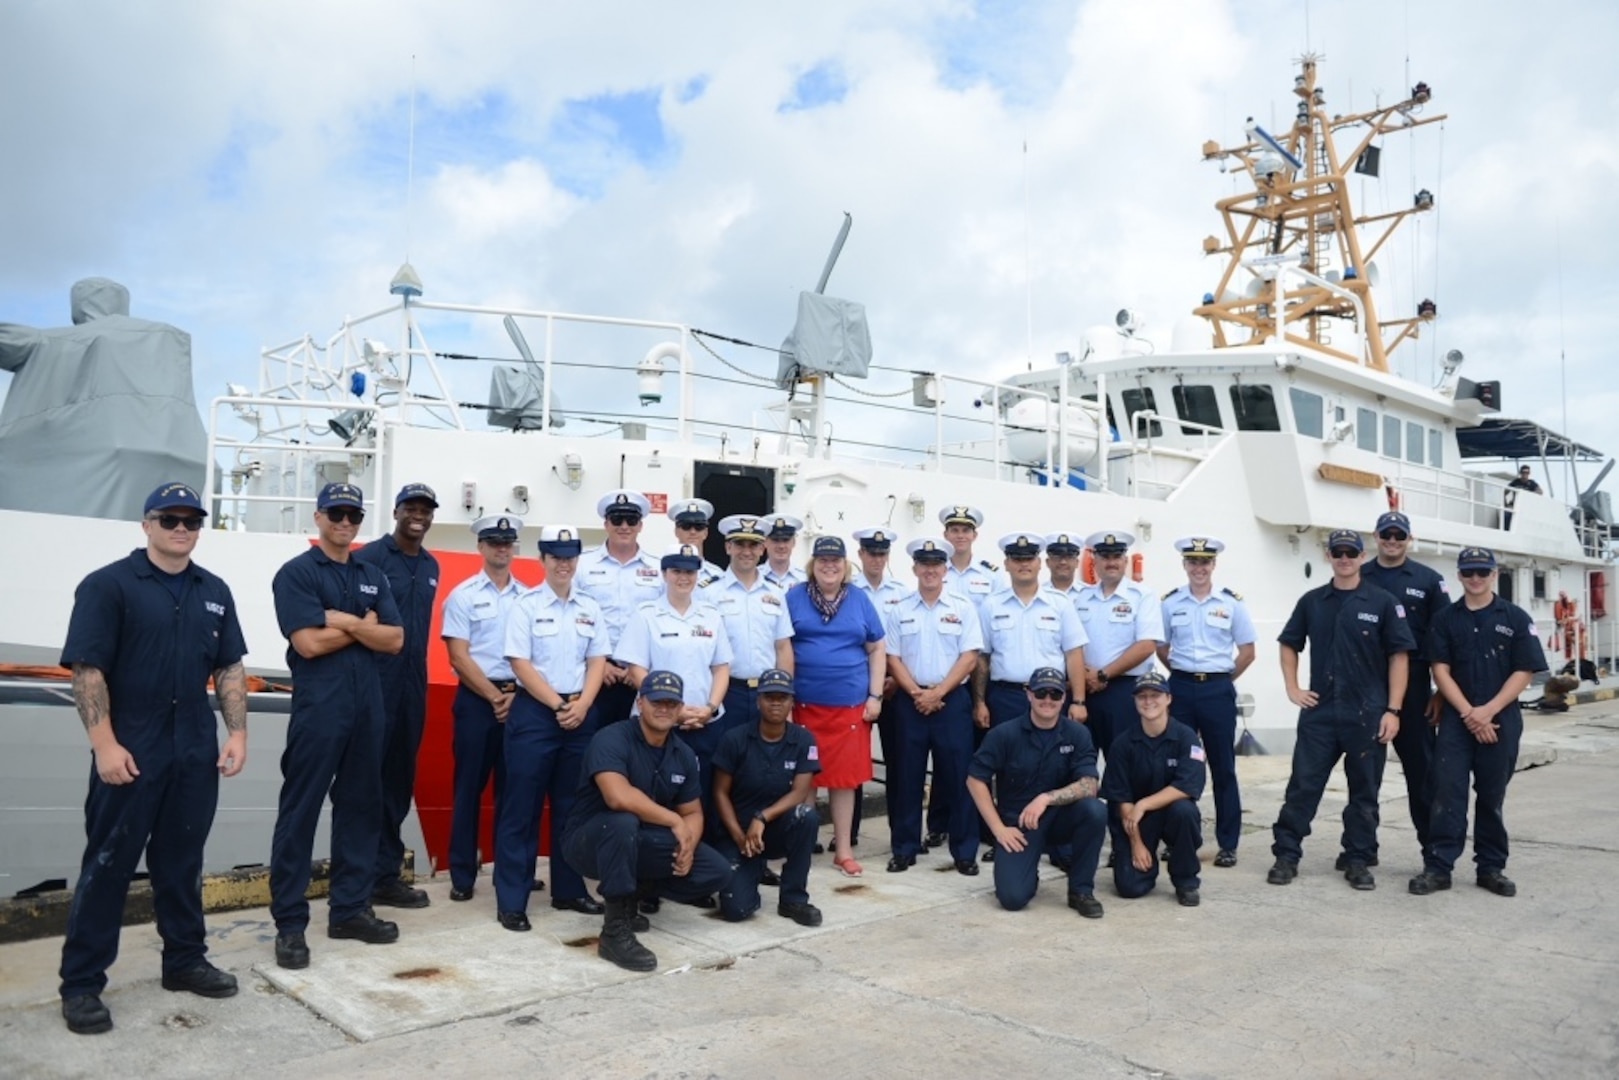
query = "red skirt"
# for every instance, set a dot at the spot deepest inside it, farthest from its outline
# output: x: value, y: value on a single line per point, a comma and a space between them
x: 844, y: 740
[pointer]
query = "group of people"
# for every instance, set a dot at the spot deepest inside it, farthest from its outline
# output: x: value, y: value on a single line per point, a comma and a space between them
x: 678, y: 717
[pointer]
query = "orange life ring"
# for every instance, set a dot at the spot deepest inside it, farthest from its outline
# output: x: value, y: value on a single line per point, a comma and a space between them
x: 1087, y: 567
x: 1394, y: 496
x: 1138, y: 567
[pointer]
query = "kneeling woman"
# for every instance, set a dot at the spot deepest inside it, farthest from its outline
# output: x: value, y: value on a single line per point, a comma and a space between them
x: 763, y: 777
x: 557, y: 644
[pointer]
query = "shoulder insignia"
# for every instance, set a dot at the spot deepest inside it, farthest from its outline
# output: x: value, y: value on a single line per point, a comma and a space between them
x: 1170, y: 593
x: 987, y: 565
x: 1232, y: 593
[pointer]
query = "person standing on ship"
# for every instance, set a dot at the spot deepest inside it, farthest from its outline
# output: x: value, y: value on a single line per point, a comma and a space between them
x: 620, y: 576
x: 412, y: 574
x: 337, y: 614
x: 691, y: 518
x: 1358, y: 641
x: 1208, y: 644
x: 145, y: 635
x: 557, y: 646
x: 933, y: 639
x: 881, y: 588
x: 474, y: 632
x: 1124, y: 626
x: 781, y: 542
x: 1421, y: 591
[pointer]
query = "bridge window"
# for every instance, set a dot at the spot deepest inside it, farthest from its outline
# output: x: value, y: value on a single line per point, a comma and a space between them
x: 1255, y: 408
x: 1113, y: 425
x: 1366, y: 429
x: 1197, y: 405
x: 1140, y: 399
x: 1306, y: 412
x: 1436, y: 448
x: 1391, y: 436
x: 1413, y: 443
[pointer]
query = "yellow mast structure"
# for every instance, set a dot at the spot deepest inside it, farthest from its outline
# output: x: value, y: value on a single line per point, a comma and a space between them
x: 1299, y: 215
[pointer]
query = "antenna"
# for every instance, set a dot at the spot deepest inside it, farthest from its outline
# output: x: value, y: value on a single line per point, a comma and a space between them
x: 1028, y: 274
x: 410, y: 159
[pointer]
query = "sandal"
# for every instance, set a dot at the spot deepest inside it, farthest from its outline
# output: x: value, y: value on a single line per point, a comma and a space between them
x: 849, y: 867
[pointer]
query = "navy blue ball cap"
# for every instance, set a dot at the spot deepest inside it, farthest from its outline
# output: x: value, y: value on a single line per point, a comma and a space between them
x: 775, y: 681
x: 1394, y: 520
x: 1475, y: 558
x: 419, y: 492
x: 340, y: 495
x: 1345, y: 538
x: 1153, y: 680
x: 174, y: 496
x: 663, y: 686
x: 1048, y: 678
x: 829, y: 547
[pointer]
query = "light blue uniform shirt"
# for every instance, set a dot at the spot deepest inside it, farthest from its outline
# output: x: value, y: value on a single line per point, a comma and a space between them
x: 783, y: 582
x: 708, y: 574
x: 1020, y: 638
x: 657, y: 637
x: 619, y: 588
x: 1114, y: 623
x: 930, y: 639
x: 977, y: 583
x: 476, y: 612
x: 755, y: 619
x: 1203, y: 635
x: 557, y: 636
x: 884, y: 596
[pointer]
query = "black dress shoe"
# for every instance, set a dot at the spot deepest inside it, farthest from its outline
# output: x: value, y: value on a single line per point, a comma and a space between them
x: 1342, y: 862
x: 802, y: 914
x: 1226, y: 857
x: 966, y: 867
x: 768, y: 876
x: 398, y: 894
x: 584, y: 905
x: 650, y: 905
x: 988, y: 855
x: 204, y: 980
x: 818, y: 849
x: 1497, y: 882
x: 1187, y: 897
x: 935, y: 839
x: 1110, y: 857
x: 514, y: 920
x: 460, y: 895
x: 86, y: 1015
x: 1284, y: 871
x: 1062, y: 863
x: 536, y: 886
x: 365, y: 927
x: 1086, y: 904
x: 291, y: 951
x: 1428, y: 882
x: 898, y: 864
x: 1359, y: 877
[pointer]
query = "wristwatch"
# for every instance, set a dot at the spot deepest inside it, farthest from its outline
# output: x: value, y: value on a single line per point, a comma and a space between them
x: 1392, y: 709
x: 759, y: 816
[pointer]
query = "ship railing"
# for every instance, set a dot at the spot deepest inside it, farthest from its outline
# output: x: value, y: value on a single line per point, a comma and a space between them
x: 1145, y: 450
x: 1478, y: 500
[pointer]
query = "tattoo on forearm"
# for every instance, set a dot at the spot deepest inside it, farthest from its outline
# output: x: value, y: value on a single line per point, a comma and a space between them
x: 230, y: 687
x: 1083, y: 788
x: 90, y: 695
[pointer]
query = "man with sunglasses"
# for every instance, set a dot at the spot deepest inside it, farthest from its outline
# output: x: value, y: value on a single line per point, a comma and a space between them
x: 620, y: 576
x: 145, y: 635
x: 1484, y: 651
x: 691, y: 518
x: 1358, y: 641
x: 1421, y: 591
x: 337, y: 614
x: 412, y: 574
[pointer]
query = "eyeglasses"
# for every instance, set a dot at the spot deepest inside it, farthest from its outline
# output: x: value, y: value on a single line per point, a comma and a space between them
x: 1047, y: 695
x: 1393, y: 534
x: 189, y: 522
x: 345, y: 515
x: 623, y: 519
x: 1475, y: 573
x: 1345, y: 553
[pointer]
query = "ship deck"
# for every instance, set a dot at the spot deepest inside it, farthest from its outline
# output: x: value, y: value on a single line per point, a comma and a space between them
x: 920, y: 974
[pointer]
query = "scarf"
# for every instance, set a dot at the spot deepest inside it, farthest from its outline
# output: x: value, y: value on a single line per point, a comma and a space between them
x: 827, y: 607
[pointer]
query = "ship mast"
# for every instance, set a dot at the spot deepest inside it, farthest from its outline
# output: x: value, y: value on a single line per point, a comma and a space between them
x: 1298, y: 252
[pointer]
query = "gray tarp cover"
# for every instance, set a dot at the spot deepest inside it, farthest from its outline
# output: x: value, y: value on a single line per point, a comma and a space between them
x: 830, y: 335
x: 517, y: 399
x: 98, y: 413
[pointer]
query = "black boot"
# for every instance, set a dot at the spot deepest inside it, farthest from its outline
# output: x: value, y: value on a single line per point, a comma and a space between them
x: 618, y: 944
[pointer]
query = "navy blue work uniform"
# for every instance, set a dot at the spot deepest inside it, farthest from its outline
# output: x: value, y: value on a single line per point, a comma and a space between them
x: 1421, y: 591
x: 156, y: 637
x: 620, y: 850
x: 1483, y: 649
x: 1351, y: 633
x: 414, y: 581
x: 1020, y: 761
x: 1139, y: 765
x: 761, y: 774
x: 334, y: 740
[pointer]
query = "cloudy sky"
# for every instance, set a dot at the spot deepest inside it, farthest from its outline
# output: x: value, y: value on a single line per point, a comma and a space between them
x: 242, y: 166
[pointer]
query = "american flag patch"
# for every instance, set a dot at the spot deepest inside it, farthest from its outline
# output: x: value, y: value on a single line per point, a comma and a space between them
x: 814, y: 753
x: 1197, y: 754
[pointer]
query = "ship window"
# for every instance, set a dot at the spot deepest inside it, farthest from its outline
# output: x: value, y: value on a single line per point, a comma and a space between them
x: 1366, y: 429
x: 1113, y: 425
x: 1436, y: 448
x: 1306, y: 412
x: 1413, y: 443
x: 1504, y: 583
x: 1140, y: 399
x: 1255, y: 408
x: 1196, y: 405
x: 1540, y: 584
x: 1391, y: 436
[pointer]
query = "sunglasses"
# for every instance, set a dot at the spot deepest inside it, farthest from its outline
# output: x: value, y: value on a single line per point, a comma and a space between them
x: 1047, y: 695
x: 1345, y: 553
x: 189, y: 522
x: 623, y: 519
x: 1475, y: 573
x: 345, y: 515
x: 1393, y: 534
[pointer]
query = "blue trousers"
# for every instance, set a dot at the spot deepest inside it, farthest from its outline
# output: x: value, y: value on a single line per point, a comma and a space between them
x: 948, y: 736
x: 327, y: 751
x: 1415, y: 745
x: 1111, y: 711
x: 1210, y: 709
x: 613, y: 703
x: 1007, y: 701
x: 1458, y: 756
x: 1326, y: 733
x: 790, y: 837
x: 885, y: 740
x: 166, y: 811
x: 404, y: 706
x: 1078, y: 825
x: 1180, y: 825
x: 479, y: 748
x: 624, y: 853
x: 542, y: 761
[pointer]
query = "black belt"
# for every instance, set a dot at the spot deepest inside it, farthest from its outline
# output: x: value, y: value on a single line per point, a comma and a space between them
x: 1201, y: 676
x: 744, y: 684
x: 563, y: 698
x: 505, y: 686
x: 1008, y: 682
